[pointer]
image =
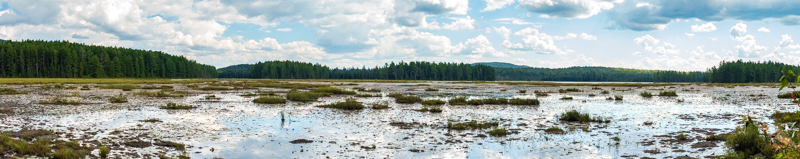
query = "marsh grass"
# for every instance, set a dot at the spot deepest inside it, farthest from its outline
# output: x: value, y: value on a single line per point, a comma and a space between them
x: 85, y: 87
x: 60, y: 101
x: 302, y: 96
x: 487, y: 101
x: 431, y: 89
x: 11, y: 91
x: 348, y: 104
x: 214, y: 88
x: 471, y: 125
x: 618, y: 97
x: 498, y: 132
x: 159, y: 94
x: 6, y: 111
x: 554, y: 130
x: 151, y: 120
x: 285, y: 85
x: 518, y: 101
x: 681, y: 137
x: 432, y: 109
x: 269, y: 100
x: 174, y: 106
x: 785, y: 95
x: 40, y: 147
x: 566, y: 98
x: 368, y: 95
x: 380, y: 105
x: 522, y: 91
x: 433, y: 102
x: 575, y: 116
x: 646, y: 94
x: 332, y: 90
x: 605, y: 92
x: 400, y: 98
x: 458, y: 101
x: 668, y: 93
x: 118, y: 99
x: 177, y: 146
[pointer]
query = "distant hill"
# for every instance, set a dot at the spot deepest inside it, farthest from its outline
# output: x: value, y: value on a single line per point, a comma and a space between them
x: 500, y: 65
x: 235, y: 67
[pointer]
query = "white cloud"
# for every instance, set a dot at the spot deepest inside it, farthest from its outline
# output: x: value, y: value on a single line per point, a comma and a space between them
x: 637, y: 53
x: 707, y: 27
x: 568, y: 8
x: 285, y: 29
x: 689, y: 34
x: 492, y: 5
x: 477, y: 47
x: 763, y: 29
x: 585, y: 36
x: 568, y: 36
x: 513, y: 21
x: 533, y: 41
x: 648, y: 15
x: 738, y: 30
x: 699, y: 54
x: 646, y: 41
x: 786, y: 40
x: 460, y: 24
x: 503, y: 31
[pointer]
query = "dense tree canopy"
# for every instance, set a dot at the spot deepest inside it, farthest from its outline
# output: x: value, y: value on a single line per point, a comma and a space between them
x: 67, y: 60
x: 746, y: 72
x: 391, y: 71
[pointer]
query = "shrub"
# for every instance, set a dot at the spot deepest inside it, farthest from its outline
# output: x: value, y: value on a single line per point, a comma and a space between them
x: 269, y: 100
x: 668, y: 93
x: 605, y: 92
x: 172, y: 105
x: 517, y: 101
x: 348, y: 104
x: 617, y: 97
x: 331, y: 90
x: 458, y: 101
x: 747, y: 141
x: 103, y: 151
x: 433, y: 102
x: 646, y: 94
x: 302, y: 96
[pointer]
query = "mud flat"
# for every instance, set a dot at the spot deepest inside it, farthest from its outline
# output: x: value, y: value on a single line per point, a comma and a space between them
x: 219, y: 119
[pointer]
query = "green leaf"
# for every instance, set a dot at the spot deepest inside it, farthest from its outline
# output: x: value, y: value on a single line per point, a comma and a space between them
x: 783, y: 84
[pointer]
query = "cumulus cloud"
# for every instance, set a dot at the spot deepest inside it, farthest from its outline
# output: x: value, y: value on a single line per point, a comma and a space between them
x: 476, y: 47
x: 76, y: 36
x: 503, y: 31
x: 585, y: 36
x: 460, y: 24
x: 738, y: 30
x: 534, y: 41
x: 567, y: 8
x: 637, y: 53
x: 763, y: 29
x: 646, y: 41
x: 513, y: 21
x: 492, y: 5
x: 699, y: 54
x: 568, y: 36
x: 656, y: 14
x: 650, y: 44
x: 689, y: 34
x: 707, y: 27
x: 786, y: 40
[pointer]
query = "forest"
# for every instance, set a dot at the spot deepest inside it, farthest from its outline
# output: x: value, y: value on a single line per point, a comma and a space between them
x: 63, y: 59
x: 747, y: 72
x: 581, y: 73
x: 390, y: 71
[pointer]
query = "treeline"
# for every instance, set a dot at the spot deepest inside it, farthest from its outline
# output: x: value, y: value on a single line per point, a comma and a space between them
x: 391, y: 71
x: 747, y: 72
x: 591, y: 74
x: 680, y: 76
x: 62, y: 59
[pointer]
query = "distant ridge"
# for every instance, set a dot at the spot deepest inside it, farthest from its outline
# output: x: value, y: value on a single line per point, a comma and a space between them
x: 500, y: 65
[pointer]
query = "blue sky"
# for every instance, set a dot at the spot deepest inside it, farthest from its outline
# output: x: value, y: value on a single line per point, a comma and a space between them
x: 647, y: 34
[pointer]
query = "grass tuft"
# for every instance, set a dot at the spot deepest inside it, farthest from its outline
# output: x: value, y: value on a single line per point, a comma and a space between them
x: 400, y: 98
x: 498, y: 132
x: 332, y: 90
x: 574, y: 115
x: 517, y: 101
x: 348, y: 104
x: 646, y: 94
x: 668, y: 93
x: 174, y: 106
x: 554, y: 130
x: 60, y: 101
x: 431, y: 89
x: 433, y: 102
x: 471, y: 125
x: 269, y: 100
x: 380, y: 105
x: 11, y: 91
x: 458, y: 101
x: 495, y: 101
x: 119, y: 99
x: 302, y: 96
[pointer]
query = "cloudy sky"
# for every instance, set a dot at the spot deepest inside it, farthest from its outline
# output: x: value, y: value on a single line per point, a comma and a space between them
x: 649, y: 34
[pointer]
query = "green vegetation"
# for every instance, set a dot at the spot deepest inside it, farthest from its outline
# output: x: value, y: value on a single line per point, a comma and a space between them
x: 131, y: 86
x: 471, y: 125
x: 85, y: 87
x: 746, y: 141
x: 498, y: 132
x: 574, y: 115
x: 604, y: 92
x: 458, y: 101
x: 60, y: 101
x: 566, y: 98
x: 6, y: 111
x: 487, y: 101
x: 583, y: 73
x: 785, y: 95
x: 380, y: 105
x: 302, y: 96
x: 214, y: 88
x: 368, y: 95
x: 11, y: 91
x: 668, y: 93
x: 522, y: 91
x: 393, y: 71
x: 617, y: 97
x: 431, y: 89
x: 517, y: 101
x: 400, y: 98
x: 432, y: 109
x: 348, y: 104
x: 646, y: 94
x: 177, y: 146
x: 269, y: 100
x: 173, y: 106
x: 157, y: 94
x: 681, y: 137
x: 554, y: 130
x: 118, y: 99
x: 104, y: 151
x: 331, y: 90
x: 62, y: 59
x: 40, y: 147
x: 433, y: 102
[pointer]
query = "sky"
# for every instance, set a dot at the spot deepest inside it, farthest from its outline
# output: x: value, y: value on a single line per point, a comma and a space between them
x: 686, y: 35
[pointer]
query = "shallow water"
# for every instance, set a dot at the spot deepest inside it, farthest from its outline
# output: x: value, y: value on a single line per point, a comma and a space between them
x: 237, y: 128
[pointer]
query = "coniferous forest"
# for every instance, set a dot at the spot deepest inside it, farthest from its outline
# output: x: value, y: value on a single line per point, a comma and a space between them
x: 62, y: 59
x: 391, y: 71
x: 747, y: 72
